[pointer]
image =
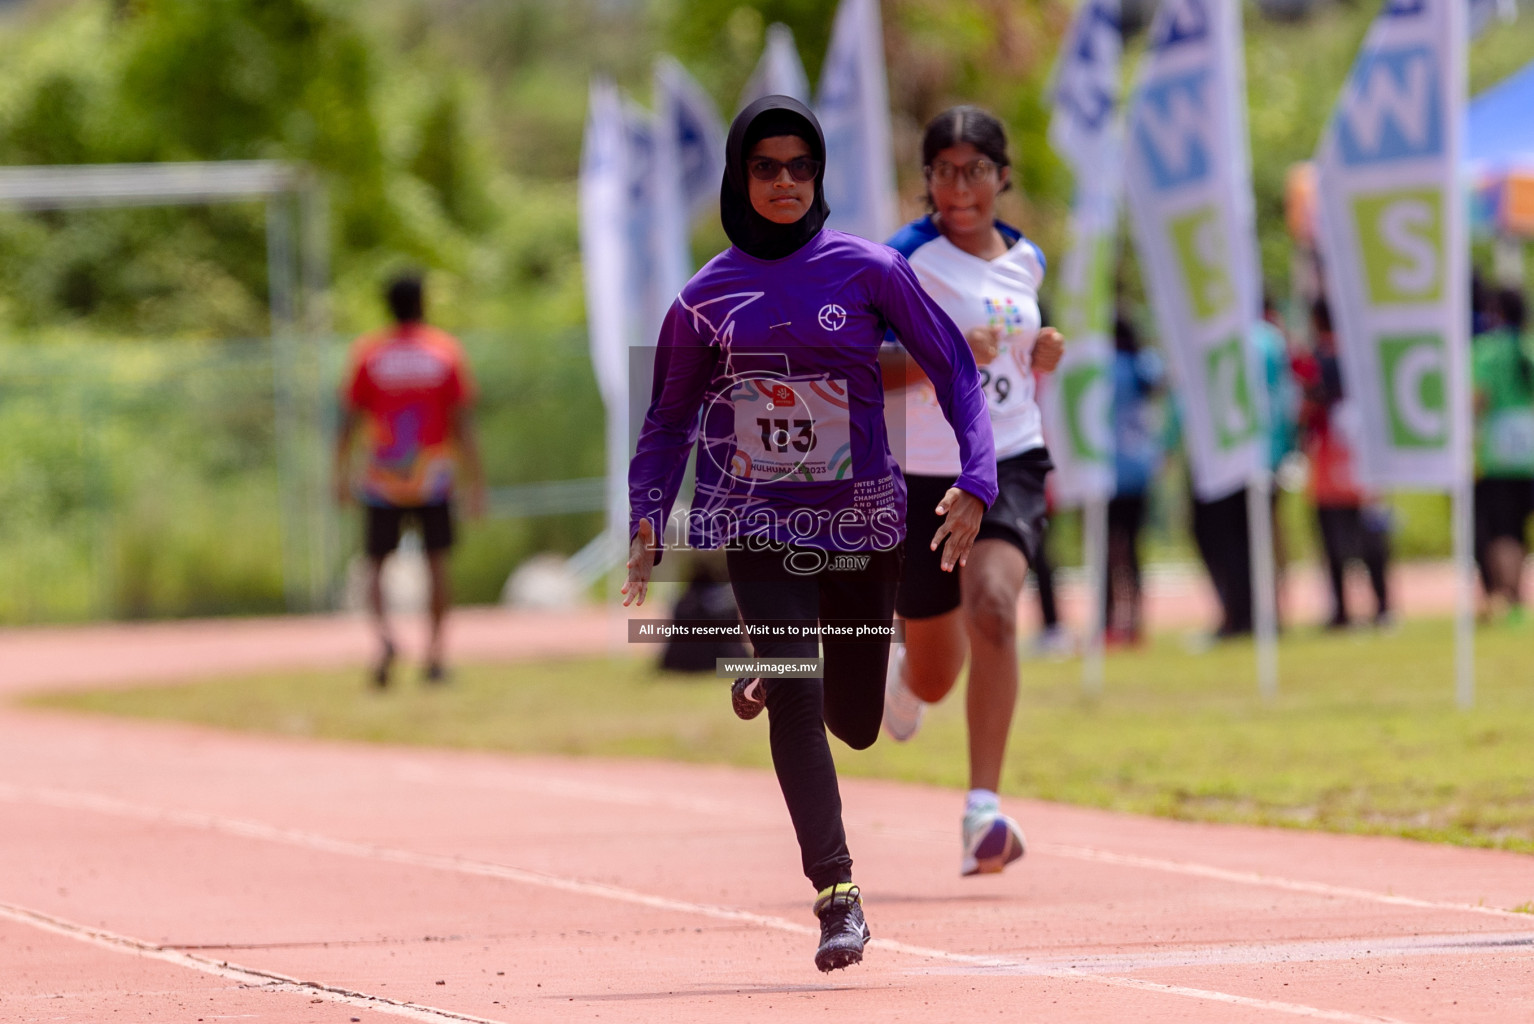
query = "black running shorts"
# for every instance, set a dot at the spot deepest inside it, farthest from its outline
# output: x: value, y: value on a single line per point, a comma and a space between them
x: 383, y: 523
x: 1502, y: 508
x: 1019, y: 516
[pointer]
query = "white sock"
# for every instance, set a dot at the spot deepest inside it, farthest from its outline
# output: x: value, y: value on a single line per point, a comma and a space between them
x: 979, y: 799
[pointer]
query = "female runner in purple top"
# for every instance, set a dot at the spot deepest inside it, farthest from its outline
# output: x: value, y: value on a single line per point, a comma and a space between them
x: 768, y: 364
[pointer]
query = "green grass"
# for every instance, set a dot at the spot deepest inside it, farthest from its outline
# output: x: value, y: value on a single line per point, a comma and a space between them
x: 1363, y: 738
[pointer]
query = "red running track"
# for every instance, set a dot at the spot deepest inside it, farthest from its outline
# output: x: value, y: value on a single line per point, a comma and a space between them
x: 156, y: 872
x: 161, y: 872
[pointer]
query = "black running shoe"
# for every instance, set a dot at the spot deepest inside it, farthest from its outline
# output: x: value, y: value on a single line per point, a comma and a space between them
x: 842, y: 928
x: 748, y: 695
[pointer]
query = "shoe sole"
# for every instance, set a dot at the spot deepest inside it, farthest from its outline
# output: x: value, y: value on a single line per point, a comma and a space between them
x: 837, y: 957
x: 745, y: 708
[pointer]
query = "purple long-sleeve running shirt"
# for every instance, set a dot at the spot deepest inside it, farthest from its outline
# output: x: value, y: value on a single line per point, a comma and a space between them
x: 781, y: 356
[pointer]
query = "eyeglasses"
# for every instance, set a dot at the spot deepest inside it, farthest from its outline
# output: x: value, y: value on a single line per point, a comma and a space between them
x: 800, y: 168
x: 975, y: 172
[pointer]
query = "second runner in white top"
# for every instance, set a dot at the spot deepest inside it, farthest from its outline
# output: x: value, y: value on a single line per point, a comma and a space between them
x: 1002, y: 293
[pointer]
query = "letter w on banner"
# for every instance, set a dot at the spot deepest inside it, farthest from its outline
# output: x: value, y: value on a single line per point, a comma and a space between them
x: 1395, y: 277
x: 1087, y: 131
x: 1188, y: 175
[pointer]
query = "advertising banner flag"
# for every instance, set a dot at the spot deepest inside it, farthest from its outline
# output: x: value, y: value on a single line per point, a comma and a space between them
x: 853, y: 107
x: 1392, y: 244
x: 616, y: 195
x: 780, y: 72
x: 603, y: 193
x: 687, y: 166
x: 1086, y: 129
x: 1188, y: 180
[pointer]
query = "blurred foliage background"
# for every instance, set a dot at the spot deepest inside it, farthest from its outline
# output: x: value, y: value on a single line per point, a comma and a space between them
x: 138, y: 472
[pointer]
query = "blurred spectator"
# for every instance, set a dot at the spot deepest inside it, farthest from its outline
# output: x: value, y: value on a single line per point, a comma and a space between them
x: 410, y: 385
x: 1220, y: 527
x: 1138, y: 376
x: 1350, y: 526
x: 1504, y: 452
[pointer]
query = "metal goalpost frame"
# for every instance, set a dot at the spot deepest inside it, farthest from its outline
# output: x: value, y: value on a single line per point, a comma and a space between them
x: 298, y: 276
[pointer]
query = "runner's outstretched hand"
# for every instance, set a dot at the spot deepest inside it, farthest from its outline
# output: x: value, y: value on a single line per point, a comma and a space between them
x: 961, y: 512
x: 641, y: 560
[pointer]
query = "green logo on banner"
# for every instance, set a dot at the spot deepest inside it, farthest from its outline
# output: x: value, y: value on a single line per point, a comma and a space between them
x: 1229, y: 394
x: 1086, y: 411
x: 1416, y: 391
x: 1200, y: 245
x: 1400, y: 236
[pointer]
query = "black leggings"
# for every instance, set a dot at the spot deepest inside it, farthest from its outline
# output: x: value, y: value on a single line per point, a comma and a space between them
x: 849, y: 700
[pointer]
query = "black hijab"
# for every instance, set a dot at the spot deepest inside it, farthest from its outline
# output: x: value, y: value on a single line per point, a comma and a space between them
x: 754, y: 234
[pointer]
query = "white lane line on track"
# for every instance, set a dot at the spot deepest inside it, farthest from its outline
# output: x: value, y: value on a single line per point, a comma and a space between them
x: 572, y: 789
x: 631, y: 797
x: 1270, y: 881
x: 313, y: 841
x: 265, y: 981
x: 1309, y: 952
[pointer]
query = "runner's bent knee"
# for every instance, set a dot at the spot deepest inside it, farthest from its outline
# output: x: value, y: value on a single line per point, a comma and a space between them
x: 992, y: 613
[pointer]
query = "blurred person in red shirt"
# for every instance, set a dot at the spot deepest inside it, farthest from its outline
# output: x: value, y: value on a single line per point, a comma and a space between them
x: 410, y: 385
x: 1350, y: 521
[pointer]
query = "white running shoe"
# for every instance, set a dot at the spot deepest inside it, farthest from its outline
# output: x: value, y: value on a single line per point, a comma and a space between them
x: 991, y: 841
x: 902, y: 708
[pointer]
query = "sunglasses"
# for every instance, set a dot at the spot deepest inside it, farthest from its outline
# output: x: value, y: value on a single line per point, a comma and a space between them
x: 800, y: 168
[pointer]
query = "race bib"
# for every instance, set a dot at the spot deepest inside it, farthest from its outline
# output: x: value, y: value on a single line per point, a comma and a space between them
x: 791, y: 430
